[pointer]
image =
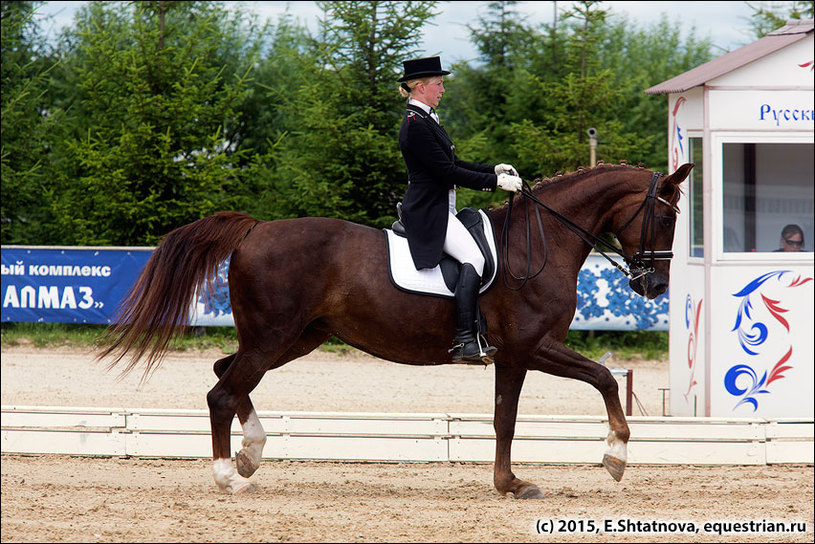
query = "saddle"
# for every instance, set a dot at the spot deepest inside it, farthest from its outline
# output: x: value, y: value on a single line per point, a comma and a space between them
x: 441, y: 280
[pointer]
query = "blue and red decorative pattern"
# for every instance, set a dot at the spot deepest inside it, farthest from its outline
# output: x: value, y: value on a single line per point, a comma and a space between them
x: 742, y: 380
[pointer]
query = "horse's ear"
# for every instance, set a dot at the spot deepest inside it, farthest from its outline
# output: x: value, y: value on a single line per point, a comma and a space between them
x: 669, y: 189
x: 681, y: 173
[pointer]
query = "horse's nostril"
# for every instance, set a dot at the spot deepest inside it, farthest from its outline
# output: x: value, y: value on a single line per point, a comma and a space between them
x: 660, y: 287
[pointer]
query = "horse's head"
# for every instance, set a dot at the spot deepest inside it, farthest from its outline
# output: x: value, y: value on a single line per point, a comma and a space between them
x: 644, y: 225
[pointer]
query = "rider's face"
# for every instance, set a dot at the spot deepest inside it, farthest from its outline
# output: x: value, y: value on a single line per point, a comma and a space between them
x: 431, y: 90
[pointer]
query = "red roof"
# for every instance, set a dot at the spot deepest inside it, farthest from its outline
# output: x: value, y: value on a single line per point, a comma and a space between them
x: 794, y: 31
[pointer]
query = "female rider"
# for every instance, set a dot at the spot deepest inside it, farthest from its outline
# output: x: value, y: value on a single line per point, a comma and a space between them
x: 429, y: 205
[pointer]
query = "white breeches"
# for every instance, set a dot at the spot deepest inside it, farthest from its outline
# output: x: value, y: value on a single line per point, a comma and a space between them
x: 460, y: 245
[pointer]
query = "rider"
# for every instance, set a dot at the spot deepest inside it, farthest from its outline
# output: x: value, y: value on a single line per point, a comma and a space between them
x: 429, y: 205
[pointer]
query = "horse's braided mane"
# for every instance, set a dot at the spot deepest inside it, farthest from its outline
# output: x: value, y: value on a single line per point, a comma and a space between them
x: 559, y: 177
x: 583, y: 171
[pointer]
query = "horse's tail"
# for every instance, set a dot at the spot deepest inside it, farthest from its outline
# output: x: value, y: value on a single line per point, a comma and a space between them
x: 156, y: 309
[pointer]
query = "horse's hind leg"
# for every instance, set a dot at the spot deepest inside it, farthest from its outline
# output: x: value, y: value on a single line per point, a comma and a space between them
x: 247, y: 460
x: 562, y: 361
x: 239, y: 377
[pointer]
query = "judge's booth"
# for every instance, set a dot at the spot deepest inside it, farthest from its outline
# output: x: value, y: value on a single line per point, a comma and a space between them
x: 741, y: 310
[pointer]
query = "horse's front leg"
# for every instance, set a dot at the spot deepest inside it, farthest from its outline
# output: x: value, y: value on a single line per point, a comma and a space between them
x: 508, y: 382
x: 559, y: 360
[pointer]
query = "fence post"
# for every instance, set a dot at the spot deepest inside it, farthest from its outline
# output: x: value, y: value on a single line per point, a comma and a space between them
x: 629, y: 393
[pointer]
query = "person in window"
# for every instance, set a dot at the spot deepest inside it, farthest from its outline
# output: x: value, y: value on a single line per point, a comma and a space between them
x: 429, y: 204
x: 792, y: 238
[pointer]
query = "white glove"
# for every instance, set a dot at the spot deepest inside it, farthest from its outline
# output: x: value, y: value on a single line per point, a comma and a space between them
x: 510, y: 183
x: 505, y: 169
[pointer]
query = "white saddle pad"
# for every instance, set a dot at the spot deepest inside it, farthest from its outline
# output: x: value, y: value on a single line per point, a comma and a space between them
x: 428, y: 281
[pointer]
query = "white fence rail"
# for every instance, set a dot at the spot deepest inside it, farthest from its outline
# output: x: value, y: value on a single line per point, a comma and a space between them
x: 406, y: 437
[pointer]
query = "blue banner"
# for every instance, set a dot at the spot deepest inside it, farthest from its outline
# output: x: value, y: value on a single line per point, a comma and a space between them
x: 67, y: 285
x: 85, y: 285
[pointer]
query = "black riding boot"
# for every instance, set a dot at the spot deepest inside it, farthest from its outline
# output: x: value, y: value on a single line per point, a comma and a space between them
x: 465, y: 346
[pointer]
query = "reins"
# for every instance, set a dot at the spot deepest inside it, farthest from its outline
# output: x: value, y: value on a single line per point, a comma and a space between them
x: 636, y: 267
x: 505, y: 240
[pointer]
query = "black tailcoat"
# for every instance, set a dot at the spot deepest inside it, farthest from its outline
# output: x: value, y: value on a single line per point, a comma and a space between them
x: 433, y: 170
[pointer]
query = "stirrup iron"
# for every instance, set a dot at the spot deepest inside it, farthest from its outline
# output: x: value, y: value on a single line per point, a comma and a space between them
x: 484, y: 356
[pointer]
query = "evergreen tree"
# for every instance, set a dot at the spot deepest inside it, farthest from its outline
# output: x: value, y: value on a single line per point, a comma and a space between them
x: 342, y: 159
x: 267, y: 112
x: 478, y: 108
x: 477, y: 101
x: 156, y: 111
x: 28, y: 122
x: 587, y: 69
x: 769, y: 16
x: 149, y: 115
x: 642, y: 58
x: 583, y: 96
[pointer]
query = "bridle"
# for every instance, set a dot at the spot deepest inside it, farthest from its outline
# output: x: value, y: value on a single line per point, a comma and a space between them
x: 648, y: 229
x: 639, y: 264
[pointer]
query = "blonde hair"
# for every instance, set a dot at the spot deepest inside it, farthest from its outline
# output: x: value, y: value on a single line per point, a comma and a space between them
x: 412, y: 85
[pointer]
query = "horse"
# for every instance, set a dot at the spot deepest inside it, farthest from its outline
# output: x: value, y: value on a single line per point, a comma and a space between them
x: 294, y: 283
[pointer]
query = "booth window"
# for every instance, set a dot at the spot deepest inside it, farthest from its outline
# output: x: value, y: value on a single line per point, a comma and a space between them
x: 697, y: 216
x: 766, y: 186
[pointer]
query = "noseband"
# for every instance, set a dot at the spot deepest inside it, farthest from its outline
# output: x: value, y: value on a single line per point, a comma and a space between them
x: 637, y: 266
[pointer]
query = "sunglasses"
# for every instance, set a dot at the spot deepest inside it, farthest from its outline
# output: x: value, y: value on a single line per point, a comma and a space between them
x: 794, y: 243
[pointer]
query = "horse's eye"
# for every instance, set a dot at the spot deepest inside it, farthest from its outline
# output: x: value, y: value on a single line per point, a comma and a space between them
x: 667, y: 221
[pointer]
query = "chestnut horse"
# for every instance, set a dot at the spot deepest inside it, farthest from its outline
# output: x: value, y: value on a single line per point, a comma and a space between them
x: 294, y: 283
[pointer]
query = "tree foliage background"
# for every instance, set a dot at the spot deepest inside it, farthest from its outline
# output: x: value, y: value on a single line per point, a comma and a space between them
x: 145, y: 116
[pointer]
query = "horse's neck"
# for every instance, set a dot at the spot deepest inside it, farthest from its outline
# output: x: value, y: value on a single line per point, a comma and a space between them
x: 588, y: 200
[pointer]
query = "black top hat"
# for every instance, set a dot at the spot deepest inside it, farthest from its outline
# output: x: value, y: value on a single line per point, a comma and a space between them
x: 419, y: 68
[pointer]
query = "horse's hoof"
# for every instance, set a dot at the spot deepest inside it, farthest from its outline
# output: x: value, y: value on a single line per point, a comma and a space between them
x: 531, y: 492
x: 244, y: 464
x: 244, y: 489
x: 614, y: 466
